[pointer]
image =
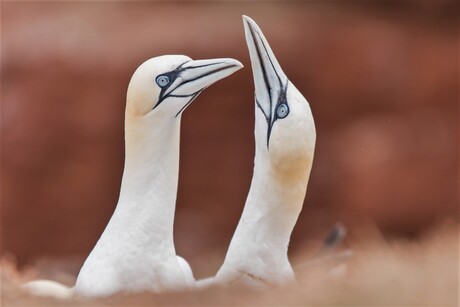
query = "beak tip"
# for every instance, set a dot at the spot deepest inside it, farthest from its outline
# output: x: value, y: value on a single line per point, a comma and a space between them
x: 247, y: 19
x: 248, y: 22
x: 235, y: 64
x: 238, y: 64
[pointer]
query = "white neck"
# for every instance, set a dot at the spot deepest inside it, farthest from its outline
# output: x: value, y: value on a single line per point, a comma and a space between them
x: 136, y: 251
x: 260, y: 243
x: 149, y: 185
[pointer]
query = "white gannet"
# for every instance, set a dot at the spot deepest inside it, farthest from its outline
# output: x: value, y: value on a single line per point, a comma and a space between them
x: 285, y: 139
x: 136, y: 251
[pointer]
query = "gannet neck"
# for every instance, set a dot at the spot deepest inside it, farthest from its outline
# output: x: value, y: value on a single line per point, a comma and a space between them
x: 260, y: 243
x: 149, y: 185
x: 151, y: 163
x: 136, y: 250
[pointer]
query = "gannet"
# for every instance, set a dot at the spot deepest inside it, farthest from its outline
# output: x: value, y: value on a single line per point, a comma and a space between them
x: 285, y: 139
x: 136, y: 251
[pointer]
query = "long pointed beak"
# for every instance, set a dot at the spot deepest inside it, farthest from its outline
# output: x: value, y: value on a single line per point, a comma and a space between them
x: 199, y: 74
x: 269, y: 79
x: 196, y: 75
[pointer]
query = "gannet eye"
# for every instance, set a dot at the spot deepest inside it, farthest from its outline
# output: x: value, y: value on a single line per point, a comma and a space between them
x: 162, y: 81
x: 282, y: 111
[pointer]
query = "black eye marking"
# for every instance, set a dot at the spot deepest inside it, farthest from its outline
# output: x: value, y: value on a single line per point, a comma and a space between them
x: 282, y: 106
x: 282, y: 110
x: 162, y: 80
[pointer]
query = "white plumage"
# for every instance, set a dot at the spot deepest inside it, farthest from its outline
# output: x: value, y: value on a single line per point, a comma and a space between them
x: 285, y: 141
x: 136, y: 251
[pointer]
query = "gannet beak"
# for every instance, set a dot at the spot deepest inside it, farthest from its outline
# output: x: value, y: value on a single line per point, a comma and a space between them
x: 200, y: 74
x: 269, y: 79
x: 196, y: 75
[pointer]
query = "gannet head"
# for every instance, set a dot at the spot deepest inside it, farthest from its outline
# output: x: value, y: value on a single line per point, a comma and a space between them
x: 166, y: 85
x: 284, y: 127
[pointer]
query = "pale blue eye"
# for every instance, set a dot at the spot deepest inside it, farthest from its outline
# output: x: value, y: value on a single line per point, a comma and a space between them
x: 162, y: 81
x: 282, y: 111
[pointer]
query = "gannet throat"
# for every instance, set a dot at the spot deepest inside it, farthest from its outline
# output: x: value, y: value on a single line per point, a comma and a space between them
x: 285, y: 140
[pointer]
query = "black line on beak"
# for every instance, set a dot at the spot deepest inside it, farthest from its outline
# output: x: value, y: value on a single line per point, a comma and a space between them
x: 203, y: 75
x: 264, y: 71
x: 270, y: 59
x: 172, y: 77
x: 204, y: 65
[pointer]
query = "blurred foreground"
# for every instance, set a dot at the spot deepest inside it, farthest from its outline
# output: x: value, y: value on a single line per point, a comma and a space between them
x: 397, y: 273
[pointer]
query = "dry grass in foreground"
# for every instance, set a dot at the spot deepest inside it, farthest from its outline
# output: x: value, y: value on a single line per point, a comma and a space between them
x: 397, y: 273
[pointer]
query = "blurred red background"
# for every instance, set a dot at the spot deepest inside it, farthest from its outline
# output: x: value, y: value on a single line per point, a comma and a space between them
x: 382, y: 79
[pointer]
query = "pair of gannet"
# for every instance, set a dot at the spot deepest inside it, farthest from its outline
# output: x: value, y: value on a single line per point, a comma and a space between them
x: 136, y: 250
